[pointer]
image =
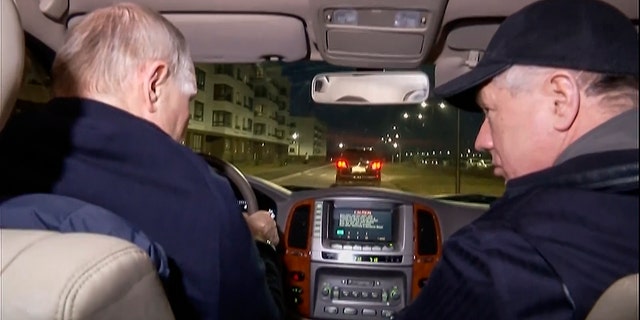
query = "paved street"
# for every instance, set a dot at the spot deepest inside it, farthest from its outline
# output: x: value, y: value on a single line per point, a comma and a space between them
x: 426, y: 180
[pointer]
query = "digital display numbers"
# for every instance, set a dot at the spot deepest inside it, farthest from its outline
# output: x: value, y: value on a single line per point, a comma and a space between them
x: 377, y: 258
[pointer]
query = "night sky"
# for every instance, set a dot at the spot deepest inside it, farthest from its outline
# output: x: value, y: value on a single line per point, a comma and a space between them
x: 365, y: 125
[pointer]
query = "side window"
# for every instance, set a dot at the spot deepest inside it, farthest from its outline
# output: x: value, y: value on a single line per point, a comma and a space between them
x: 198, y: 110
x: 200, y: 78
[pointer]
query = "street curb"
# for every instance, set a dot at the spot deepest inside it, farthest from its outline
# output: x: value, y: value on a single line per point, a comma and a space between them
x: 300, y: 173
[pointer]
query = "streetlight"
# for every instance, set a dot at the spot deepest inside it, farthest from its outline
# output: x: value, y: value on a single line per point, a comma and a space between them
x: 399, y: 147
x: 442, y: 105
x: 340, y: 145
x: 295, y: 137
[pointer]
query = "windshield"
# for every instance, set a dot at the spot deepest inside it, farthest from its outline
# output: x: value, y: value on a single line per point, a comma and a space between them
x: 262, y: 119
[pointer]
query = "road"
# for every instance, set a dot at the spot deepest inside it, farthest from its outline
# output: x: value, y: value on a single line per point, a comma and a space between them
x: 421, y: 180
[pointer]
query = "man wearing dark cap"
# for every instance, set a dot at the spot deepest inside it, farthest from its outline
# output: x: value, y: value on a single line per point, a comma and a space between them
x: 559, y: 88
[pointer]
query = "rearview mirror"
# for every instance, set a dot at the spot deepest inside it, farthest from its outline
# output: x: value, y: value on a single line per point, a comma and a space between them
x: 370, y: 88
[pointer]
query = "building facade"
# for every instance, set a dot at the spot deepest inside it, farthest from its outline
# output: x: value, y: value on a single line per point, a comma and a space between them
x: 240, y: 113
x: 308, y: 137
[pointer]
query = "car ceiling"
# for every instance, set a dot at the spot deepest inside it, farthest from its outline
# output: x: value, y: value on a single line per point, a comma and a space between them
x: 452, y: 34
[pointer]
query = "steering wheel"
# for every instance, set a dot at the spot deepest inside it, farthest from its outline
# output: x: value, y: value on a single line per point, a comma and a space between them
x: 236, y: 177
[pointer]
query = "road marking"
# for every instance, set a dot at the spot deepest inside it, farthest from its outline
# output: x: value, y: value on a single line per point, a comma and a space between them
x: 276, y: 180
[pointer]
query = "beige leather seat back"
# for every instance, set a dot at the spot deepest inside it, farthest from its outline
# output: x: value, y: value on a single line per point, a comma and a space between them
x: 49, y: 275
x: 11, y: 59
x: 618, y: 302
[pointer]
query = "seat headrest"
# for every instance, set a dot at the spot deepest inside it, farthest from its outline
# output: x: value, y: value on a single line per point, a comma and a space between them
x: 12, y: 58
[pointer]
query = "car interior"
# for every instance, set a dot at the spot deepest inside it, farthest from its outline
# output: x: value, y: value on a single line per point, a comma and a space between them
x: 332, y: 270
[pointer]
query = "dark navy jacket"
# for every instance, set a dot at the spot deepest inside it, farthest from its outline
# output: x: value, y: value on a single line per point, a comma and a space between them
x: 546, y: 250
x: 102, y: 155
x: 64, y: 214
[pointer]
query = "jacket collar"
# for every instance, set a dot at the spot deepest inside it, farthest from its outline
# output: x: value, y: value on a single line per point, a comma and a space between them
x: 610, y: 171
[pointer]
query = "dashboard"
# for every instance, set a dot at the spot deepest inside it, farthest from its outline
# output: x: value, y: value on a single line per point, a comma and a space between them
x: 358, y: 252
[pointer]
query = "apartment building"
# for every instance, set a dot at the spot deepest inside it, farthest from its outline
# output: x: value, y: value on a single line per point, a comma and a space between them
x: 240, y: 112
x: 308, y: 137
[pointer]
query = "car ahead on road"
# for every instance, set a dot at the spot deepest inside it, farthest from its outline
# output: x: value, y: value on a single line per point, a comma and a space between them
x: 358, y: 166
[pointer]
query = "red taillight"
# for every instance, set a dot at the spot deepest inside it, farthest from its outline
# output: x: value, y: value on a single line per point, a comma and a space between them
x: 341, y: 164
x: 376, y: 165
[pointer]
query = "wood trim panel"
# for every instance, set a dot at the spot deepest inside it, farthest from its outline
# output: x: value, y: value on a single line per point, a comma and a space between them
x: 423, y: 264
x: 299, y: 260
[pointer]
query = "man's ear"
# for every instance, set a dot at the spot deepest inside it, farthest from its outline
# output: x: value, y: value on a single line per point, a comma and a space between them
x: 156, y: 75
x: 565, y: 94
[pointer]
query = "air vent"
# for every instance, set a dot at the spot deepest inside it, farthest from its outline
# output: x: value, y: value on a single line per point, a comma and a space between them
x: 299, y: 227
x: 427, y: 234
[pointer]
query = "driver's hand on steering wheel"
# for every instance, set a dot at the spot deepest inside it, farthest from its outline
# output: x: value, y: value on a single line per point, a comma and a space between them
x: 263, y: 228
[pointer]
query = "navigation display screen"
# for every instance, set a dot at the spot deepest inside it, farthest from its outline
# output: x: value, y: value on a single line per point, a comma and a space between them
x: 361, y: 224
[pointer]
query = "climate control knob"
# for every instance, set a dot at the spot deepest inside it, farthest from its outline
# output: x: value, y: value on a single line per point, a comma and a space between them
x: 394, y: 294
x: 326, y: 291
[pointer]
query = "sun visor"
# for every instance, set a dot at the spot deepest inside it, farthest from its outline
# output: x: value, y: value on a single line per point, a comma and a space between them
x: 228, y: 35
x: 471, y: 37
x: 465, y: 45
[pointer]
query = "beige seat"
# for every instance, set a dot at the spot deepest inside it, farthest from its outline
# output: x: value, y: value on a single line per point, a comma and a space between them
x: 49, y: 275
x: 618, y: 302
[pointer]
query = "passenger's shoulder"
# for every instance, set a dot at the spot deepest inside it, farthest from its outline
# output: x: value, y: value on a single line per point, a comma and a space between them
x: 487, y: 233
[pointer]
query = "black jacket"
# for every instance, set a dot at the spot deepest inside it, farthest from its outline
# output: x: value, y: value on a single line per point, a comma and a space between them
x: 546, y: 250
x: 99, y: 154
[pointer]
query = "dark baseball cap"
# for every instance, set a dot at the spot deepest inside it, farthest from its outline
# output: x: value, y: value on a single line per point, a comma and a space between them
x: 587, y: 35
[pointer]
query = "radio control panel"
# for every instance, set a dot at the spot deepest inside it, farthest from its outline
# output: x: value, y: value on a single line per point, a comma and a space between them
x: 359, y: 297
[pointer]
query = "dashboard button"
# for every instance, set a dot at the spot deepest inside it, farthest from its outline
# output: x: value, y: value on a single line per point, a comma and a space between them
x: 347, y: 247
x: 336, y: 246
x: 365, y: 294
x: 357, y: 247
x: 345, y: 293
x: 331, y: 309
x: 366, y: 248
x: 350, y: 311
x: 376, y: 248
x: 387, y: 313
x: 368, y: 312
x: 385, y: 248
x: 355, y: 294
x: 296, y: 276
x: 395, y: 293
x: 335, y: 293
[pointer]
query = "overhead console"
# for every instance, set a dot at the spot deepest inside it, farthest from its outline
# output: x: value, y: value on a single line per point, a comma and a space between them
x: 371, y: 34
x: 355, y: 258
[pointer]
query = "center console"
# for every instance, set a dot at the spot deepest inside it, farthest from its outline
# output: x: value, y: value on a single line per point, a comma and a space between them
x: 360, y: 257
